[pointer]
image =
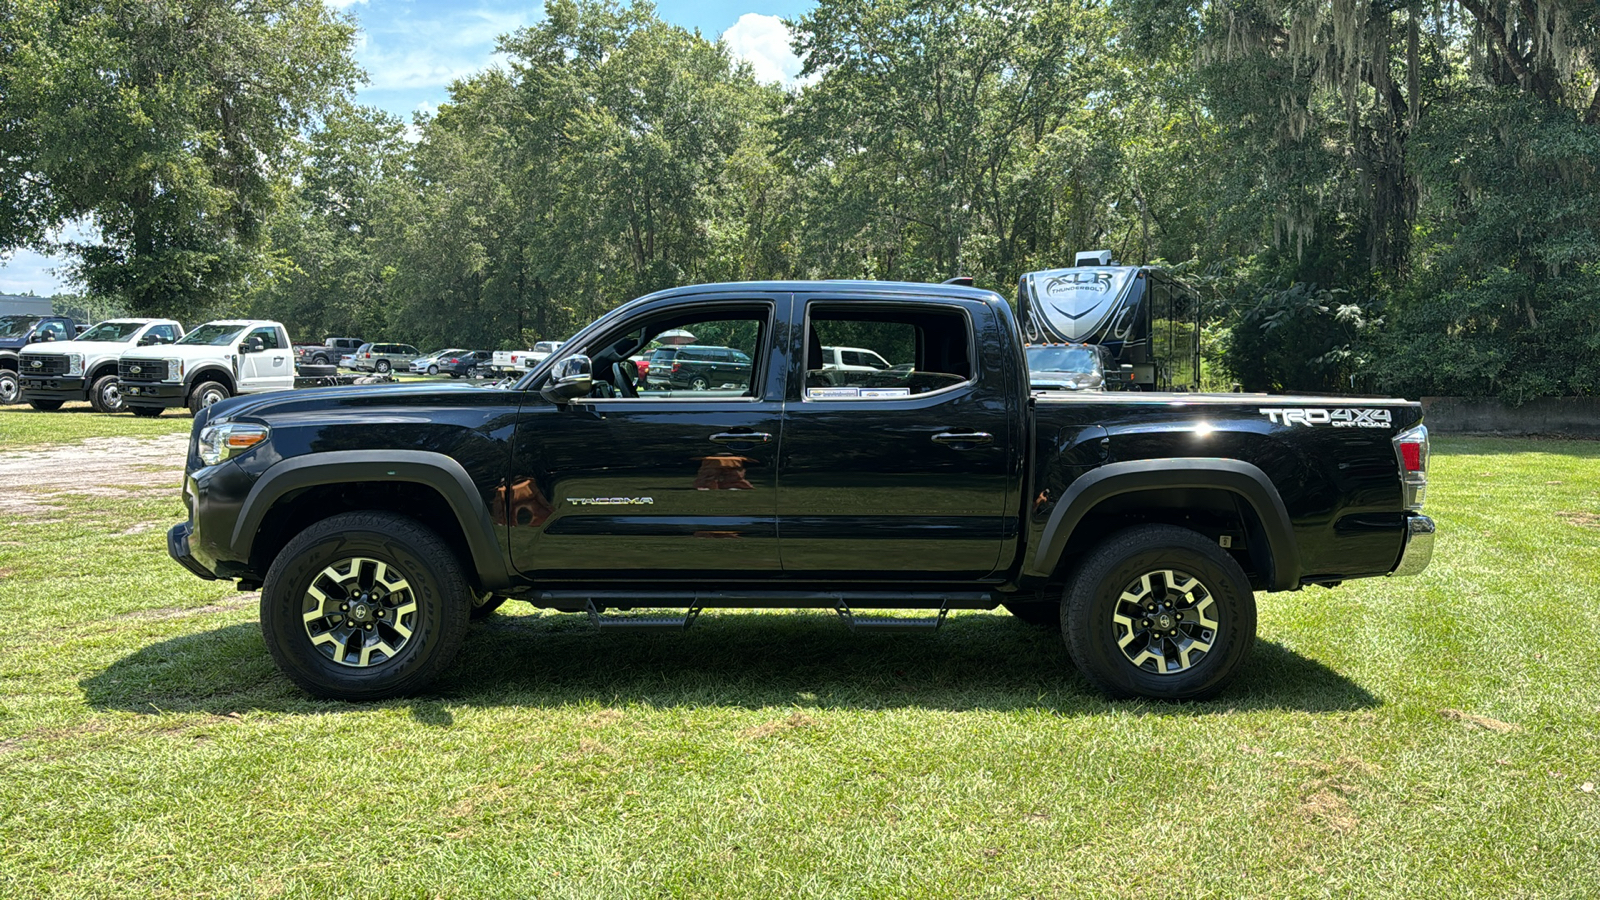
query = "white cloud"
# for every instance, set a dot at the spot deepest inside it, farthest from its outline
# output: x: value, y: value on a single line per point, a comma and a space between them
x: 28, y: 272
x: 341, y: 4
x: 407, y: 53
x: 763, y: 42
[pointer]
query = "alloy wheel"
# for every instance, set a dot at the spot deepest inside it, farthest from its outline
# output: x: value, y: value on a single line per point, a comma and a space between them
x: 1165, y: 621
x: 359, y: 612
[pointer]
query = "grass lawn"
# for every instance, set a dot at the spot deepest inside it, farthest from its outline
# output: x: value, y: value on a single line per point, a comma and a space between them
x: 1431, y: 737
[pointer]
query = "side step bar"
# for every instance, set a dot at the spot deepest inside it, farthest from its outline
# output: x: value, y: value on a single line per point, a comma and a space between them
x: 680, y: 623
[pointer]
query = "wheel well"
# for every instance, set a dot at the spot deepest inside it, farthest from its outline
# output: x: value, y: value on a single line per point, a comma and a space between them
x: 300, y: 509
x: 216, y: 375
x: 1213, y: 512
x: 102, y: 370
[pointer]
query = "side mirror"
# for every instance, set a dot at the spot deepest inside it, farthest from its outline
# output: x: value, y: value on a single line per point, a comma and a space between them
x: 149, y: 340
x: 254, y: 345
x: 42, y: 336
x: 571, y: 378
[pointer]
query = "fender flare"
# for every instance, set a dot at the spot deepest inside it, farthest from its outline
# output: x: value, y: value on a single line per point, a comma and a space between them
x: 1235, y: 476
x: 435, y: 470
x: 229, y: 379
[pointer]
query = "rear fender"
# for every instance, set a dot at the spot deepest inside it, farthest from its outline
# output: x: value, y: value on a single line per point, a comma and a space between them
x: 1251, y: 484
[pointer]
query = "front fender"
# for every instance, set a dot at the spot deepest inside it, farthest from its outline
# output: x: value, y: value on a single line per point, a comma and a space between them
x: 435, y: 470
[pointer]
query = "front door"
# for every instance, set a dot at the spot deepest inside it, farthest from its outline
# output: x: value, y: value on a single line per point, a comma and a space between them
x: 268, y: 369
x: 654, y: 482
x: 905, y: 473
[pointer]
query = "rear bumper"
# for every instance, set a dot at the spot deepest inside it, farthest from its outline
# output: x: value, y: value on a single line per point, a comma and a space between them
x: 162, y: 394
x: 1418, y: 550
x: 178, y: 549
x: 52, y: 388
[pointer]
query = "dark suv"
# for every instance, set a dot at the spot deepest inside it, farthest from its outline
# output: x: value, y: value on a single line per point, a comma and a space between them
x: 700, y: 368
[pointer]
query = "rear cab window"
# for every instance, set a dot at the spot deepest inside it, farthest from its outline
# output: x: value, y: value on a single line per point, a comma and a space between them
x: 928, y: 347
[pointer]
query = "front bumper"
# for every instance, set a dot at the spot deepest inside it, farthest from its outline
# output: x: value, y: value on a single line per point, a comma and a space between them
x: 163, y: 394
x: 178, y: 549
x: 53, y: 387
x: 1418, y: 550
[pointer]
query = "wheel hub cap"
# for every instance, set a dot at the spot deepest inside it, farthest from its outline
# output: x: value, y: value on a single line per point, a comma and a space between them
x: 359, y: 612
x: 1165, y: 621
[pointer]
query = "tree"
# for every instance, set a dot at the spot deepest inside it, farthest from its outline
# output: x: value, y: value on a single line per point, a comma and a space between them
x: 163, y: 122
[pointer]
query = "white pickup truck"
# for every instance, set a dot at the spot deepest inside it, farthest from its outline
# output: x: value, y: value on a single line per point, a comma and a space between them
x: 215, y: 361
x: 518, y: 361
x: 85, y: 368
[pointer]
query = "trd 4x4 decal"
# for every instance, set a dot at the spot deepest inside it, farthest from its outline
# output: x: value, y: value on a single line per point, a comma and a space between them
x: 1338, y: 418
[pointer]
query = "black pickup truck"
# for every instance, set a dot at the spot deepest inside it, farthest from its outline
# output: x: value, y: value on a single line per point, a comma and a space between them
x: 378, y: 522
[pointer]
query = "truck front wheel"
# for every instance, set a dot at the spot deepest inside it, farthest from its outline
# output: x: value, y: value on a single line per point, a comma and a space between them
x: 363, y: 606
x: 206, y: 393
x: 10, y: 387
x: 106, y: 394
x: 1159, y: 611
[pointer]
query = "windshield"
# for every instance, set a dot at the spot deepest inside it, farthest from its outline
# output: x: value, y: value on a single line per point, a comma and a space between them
x: 1063, y: 359
x: 17, y: 326
x: 214, y: 334
x: 111, y: 331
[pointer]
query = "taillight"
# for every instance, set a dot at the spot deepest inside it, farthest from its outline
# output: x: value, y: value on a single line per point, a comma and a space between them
x: 1411, y: 450
x: 675, y: 368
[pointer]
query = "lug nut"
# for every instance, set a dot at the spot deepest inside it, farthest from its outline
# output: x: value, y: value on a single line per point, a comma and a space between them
x: 344, y: 607
x: 369, y: 627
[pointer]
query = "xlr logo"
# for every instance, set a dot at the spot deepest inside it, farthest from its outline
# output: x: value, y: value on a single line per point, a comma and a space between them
x: 1338, y: 418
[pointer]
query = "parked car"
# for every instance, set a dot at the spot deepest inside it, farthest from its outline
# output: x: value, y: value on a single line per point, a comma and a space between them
x: 215, y: 361
x: 659, y: 362
x: 844, y: 365
x: 325, y: 353
x: 1139, y: 526
x: 465, y: 364
x: 698, y: 368
x: 429, y: 365
x: 518, y: 361
x: 384, y: 358
x: 85, y: 368
x: 1072, y: 367
x: 19, y: 331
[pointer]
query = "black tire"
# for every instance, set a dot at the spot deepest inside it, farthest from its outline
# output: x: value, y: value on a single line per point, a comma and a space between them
x: 1160, y: 564
x: 105, y: 395
x: 1041, y: 613
x: 699, y: 383
x: 433, y: 370
x: 145, y: 412
x: 434, y: 605
x: 486, y: 609
x: 382, y: 367
x: 319, y: 360
x: 10, y: 387
x: 206, y: 393
x: 46, y: 405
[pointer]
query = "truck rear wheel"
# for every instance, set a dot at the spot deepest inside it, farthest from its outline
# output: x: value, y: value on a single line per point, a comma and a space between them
x: 363, y: 606
x: 207, y: 393
x: 145, y: 412
x: 45, y: 405
x: 1161, y: 612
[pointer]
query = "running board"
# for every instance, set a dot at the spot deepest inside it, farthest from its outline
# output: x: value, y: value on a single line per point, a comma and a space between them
x: 641, y: 623
x: 890, y: 623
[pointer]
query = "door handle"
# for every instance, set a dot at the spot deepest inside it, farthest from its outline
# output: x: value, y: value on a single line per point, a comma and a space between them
x: 741, y: 437
x: 968, y: 437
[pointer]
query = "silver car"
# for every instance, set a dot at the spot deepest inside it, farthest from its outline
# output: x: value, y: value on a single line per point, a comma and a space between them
x: 429, y: 365
x: 384, y: 358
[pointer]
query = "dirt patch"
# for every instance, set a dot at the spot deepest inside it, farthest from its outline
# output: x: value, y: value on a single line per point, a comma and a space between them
x: 127, y: 463
x: 602, y: 718
x: 1325, y: 799
x: 768, y: 729
x: 140, y: 528
x: 1585, y: 519
x: 1473, y: 721
x: 238, y: 601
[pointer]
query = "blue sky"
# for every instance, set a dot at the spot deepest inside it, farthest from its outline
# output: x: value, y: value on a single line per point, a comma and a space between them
x: 413, y: 49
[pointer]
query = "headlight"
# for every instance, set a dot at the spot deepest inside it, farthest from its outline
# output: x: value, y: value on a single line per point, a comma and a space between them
x: 174, y: 369
x: 220, y: 442
x: 74, y: 363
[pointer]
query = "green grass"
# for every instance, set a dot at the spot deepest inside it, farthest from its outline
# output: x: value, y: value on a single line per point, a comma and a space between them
x: 1421, y: 737
x: 23, y: 428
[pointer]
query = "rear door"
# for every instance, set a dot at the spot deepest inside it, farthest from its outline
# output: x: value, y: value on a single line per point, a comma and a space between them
x: 666, y: 484
x: 907, y: 473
